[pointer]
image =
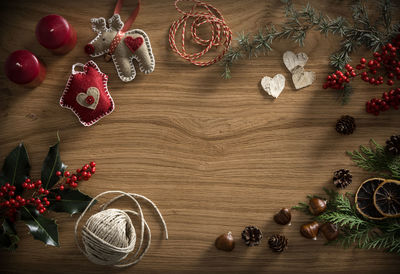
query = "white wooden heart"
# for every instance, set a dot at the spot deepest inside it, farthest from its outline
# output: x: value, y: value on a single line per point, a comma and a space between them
x: 292, y: 60
x: 92, y: 91
x: 273, y: 86
x: 301, y: 78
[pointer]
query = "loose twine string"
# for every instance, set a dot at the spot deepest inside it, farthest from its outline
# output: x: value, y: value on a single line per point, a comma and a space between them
x: 108, y: 237
x: 220, y: 32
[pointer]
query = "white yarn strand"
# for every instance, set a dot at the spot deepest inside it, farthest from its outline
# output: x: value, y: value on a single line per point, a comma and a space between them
x: 108, y: 237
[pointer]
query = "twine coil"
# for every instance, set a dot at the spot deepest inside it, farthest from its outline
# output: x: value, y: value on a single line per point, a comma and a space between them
x: 108, y: 237
x: 221, y: 35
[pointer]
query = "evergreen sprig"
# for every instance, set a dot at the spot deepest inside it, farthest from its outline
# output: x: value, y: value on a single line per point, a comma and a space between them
x: 355, y: 229
x: 375, y: 159
x: 361, y: 32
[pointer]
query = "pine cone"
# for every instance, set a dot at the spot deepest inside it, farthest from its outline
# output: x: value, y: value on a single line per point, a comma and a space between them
x: 346, y: 125
x: 278, y: 243
x: 393, y: 145
x: 342, y: 178
x: 251, y: 235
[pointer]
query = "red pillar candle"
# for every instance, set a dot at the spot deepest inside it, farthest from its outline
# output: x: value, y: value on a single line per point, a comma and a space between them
x: 24, y: 68
x: 56, y: 34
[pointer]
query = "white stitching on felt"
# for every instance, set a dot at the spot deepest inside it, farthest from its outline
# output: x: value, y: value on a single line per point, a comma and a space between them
x: 134, y: 56
x: 62, y: 103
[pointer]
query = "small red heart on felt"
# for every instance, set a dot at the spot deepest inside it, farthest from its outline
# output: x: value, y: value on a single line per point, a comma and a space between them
x: 133, y: 43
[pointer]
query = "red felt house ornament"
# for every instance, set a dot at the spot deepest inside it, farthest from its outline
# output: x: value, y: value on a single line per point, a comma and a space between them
x: 86, y: 94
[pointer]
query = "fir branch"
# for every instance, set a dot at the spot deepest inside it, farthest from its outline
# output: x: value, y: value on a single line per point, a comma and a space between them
x: 355, y: 229
x: 303, y: 207
x: 375, y: 159
x: 361, y: 32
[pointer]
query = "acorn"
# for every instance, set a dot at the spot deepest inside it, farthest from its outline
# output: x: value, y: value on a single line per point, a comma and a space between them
x: 330, y: 231
x: 225, y: 242
x: 317, y: 206
x: 310, y: 230
x: 283, y: 217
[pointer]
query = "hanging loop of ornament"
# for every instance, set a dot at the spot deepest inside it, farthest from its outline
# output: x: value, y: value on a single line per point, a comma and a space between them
x: 221, y: 34
x: 77, y: 65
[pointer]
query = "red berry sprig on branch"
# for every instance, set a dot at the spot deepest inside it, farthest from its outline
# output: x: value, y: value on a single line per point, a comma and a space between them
x: 384, y: 64
x: 72, y: 180
x: 40, y: 196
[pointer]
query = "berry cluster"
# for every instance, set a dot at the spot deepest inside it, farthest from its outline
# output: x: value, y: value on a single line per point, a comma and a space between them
x: 383, y: 64
x: 389, y: 99
x: 10, y: 203
x: 71, y: 180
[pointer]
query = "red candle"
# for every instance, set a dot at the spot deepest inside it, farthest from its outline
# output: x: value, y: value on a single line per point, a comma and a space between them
x: 24, y: 68
x: 56, y: 34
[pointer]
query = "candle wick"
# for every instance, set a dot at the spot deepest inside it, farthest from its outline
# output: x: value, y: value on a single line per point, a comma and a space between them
x: 51, y: 30
x: 18, y: 65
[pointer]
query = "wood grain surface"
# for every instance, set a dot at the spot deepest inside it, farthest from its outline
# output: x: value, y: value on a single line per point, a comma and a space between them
x: 214, y: 155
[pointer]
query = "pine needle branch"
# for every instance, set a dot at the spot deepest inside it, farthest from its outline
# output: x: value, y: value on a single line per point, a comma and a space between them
x: 361, y: 32
x: 375, y: 159
x: 355, y: 230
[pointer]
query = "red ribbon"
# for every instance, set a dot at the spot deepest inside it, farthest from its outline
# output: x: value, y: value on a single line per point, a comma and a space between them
x: 127, y: 24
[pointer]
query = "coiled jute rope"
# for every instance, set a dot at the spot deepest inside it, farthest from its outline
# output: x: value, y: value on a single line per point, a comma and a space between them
x: 108, y: 237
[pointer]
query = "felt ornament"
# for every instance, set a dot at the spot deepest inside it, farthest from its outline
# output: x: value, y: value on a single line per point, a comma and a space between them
x: 86, y: 94
x: 273, y: 86
x: 295, y: 64
x: 121, y: 45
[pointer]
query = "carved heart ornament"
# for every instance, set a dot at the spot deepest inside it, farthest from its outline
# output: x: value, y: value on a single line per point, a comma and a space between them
x: 301, y: 78
x: 86, y: 94
x: 295, y: 64
x: 273, y: 86
x: 292, y: 60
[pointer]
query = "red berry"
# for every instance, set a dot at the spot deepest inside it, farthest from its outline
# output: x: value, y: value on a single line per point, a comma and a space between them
x: 58, y: 173
x: 67, y: 174
x: 27, y: 180
x: 41, y: 211
x: 92, y: 164
x: 390, y: 82
x: 78, y: 171
x: 62, y: 187
x: 11, y: 193
x: 46, y: 192
x: 58, y: 197
x: 363, y: 60
x: 74, y: 178
x: 94, y: 168
x: 370, y: 63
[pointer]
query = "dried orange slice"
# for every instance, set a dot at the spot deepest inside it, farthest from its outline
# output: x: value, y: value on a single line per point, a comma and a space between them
x: 387, y: 198
x: 364, y: 199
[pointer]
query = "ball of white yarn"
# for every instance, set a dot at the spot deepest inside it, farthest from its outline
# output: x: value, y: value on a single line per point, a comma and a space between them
x: 108, y: 237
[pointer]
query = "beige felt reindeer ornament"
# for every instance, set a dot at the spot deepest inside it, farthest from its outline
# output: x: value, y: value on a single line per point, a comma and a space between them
x: 120, y: 45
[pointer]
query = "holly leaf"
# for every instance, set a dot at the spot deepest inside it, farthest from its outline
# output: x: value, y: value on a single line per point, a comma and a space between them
x: 41, y: 228
x: 72, y: 201
x: 16, y: 167
x: 51, y: 165
x: 8, y: 237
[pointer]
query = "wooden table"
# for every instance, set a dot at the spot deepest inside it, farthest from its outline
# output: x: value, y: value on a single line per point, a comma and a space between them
x: 214, y: 155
